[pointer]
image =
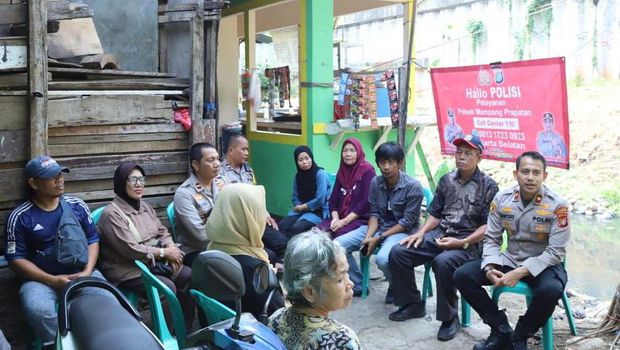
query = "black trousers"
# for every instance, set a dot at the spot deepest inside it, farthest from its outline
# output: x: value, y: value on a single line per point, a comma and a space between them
x: 403, y: 260
x: 275, y: 244
x: 293, y: 225
x: 548, y: 287
x: 251, y: 301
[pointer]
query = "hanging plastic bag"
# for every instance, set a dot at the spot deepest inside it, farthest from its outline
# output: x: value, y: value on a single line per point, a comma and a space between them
x: 181, y: 115
x: 254, y: 93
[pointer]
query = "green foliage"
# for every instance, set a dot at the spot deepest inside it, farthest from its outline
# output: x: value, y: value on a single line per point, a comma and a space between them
x: 476, y: 29
x: 539, y: 9
x: 520, y: 46
x: 578, y: 81
x: 613, y: 198
x: 536, y: 9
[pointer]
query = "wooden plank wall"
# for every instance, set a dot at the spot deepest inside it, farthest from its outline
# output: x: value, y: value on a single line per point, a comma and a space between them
x: 92, y: 135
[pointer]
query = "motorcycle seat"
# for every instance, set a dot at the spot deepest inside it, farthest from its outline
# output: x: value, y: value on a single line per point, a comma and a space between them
x: 99, y: 322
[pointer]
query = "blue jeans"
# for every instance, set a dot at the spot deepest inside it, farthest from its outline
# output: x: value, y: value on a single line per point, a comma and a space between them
x: 39, y: 302
x: 352, y: 242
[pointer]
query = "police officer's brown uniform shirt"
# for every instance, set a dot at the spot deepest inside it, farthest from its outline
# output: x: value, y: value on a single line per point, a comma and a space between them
x: 192, y: 206
x: 537, y: 233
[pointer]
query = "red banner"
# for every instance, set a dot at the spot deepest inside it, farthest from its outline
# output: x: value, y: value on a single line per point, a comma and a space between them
x: 513, y: 107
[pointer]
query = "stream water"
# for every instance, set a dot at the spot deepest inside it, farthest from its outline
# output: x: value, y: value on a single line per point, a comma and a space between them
x: 593, y: 257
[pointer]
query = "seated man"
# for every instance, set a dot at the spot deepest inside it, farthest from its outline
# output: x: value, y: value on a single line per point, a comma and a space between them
x: 536, y: 223
x: 31, y: 234
x: 235, y: 169
x: 456, y: 223
x: 395, y: 201
x: 194, y: 199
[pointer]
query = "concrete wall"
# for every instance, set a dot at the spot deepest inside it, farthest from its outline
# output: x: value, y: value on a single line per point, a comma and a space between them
x: 444, y: 39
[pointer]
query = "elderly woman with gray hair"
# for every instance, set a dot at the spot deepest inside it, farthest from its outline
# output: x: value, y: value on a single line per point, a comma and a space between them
x: 317, y: 282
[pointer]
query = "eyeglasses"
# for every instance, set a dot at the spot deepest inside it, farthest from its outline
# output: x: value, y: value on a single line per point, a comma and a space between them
x: 134, y: 180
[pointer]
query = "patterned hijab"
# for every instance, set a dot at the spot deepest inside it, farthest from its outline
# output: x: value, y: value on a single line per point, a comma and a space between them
x: 238, y: 220
x: 349, y: 175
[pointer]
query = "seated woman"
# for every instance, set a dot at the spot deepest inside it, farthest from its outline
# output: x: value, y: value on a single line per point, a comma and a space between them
x: 310, y: 190
x: 317, y: 282
x: 236, y: 226
x: 130, y: 230
x: 348, y: 202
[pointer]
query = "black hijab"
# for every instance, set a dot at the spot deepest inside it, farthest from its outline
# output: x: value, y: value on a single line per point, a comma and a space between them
x: 120, y: 182
x: 306, y: 179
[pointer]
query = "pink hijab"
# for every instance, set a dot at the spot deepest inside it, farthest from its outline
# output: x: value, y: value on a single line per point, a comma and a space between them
x: 349, y: 175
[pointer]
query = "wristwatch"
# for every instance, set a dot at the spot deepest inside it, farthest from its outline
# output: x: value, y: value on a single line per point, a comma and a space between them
x: 466, y: 244
x: 161, y: 253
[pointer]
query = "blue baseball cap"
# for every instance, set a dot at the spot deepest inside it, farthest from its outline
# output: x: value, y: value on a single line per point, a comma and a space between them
x: 44, y: 167
x: 472, y: 140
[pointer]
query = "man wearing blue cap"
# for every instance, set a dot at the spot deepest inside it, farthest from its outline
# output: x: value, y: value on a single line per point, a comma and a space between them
x: 32, y: 249
x: 449, y: 238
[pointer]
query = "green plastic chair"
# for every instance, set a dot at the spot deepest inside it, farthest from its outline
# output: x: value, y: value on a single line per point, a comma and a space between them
x: 153, y: 288
x: 95, y: 215
x: 170, y: 212
x: 213, y: 310
x: 547, y: 329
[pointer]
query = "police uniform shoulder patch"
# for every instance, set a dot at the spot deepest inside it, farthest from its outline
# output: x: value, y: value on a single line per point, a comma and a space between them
x: 219, y: 183
x: 492, y: 208
x: 561, y: 215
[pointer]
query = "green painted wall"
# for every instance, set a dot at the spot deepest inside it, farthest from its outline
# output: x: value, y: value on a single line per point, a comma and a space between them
x: 275, y: 167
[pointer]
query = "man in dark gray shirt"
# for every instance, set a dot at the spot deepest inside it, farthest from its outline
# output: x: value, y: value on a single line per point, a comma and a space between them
x: 395, y: 201
x: 456, y: 223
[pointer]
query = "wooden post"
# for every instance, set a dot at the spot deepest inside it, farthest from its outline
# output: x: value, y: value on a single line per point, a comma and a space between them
x: 249, y: 23
x: 210, y: 59
x: 198, y: 73
x: 37, y: 75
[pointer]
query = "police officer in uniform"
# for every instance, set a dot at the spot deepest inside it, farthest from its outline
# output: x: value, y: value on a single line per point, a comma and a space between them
x: 194, y: 199
x: 549, y: 142
x: 535, y: 220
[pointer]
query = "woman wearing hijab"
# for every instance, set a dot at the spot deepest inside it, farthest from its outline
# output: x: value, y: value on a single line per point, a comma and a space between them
x: 310, y: 190
x: 236, y: 227
x: 130, y: 230
x: 349, y: 200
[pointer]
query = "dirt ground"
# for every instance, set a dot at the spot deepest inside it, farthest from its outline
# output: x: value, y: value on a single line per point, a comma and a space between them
x: 369, y: 319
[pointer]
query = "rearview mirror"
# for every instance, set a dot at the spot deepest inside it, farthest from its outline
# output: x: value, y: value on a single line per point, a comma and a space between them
x: 264, y: 279
x: 218, y: 275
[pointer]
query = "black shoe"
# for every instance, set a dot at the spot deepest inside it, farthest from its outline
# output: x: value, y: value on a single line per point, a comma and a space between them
x: 520, y: 335
x: 389, y: 297
x: 409, y: 311
x: 499, y: 339
x: 519, y: 344
x: 448, y: 329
